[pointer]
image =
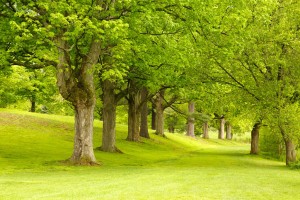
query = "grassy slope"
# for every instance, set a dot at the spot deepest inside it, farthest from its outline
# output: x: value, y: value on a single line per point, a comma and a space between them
x: 175, y: 168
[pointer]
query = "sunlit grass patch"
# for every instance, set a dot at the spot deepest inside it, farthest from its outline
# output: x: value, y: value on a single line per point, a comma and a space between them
x: 175, y: 167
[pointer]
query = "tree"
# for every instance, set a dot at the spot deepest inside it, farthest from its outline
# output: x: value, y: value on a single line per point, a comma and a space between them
x: 152, y: 61
x: 68, y: 35
x: 112, y: 72
x: 38, y: 86
x: 134, y: 111
x: 109, y: 117
x: 255, y: 52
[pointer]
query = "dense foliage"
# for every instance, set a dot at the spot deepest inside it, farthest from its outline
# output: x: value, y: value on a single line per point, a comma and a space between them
x: 237, y: 61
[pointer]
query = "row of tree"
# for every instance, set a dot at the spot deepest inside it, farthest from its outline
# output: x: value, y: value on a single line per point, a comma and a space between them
x: 236, y: 60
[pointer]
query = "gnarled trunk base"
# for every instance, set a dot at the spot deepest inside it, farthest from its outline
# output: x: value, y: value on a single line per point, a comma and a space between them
x: 83, y: 153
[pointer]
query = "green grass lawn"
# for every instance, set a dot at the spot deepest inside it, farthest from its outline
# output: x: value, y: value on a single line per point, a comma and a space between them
x: 176, y: 167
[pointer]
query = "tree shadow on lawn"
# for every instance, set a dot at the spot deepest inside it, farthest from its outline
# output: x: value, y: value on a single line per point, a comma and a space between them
x: 225, y: 159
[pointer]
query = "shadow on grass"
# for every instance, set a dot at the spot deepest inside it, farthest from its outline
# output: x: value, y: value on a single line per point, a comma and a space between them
x: 221, y: 160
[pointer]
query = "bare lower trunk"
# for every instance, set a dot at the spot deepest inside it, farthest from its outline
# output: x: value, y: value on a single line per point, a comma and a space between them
x: 109, y: 117
x: 134, y: 116
x: 32, y: 108
x: 33, y: 103
x: 153, y: 117
x: 159, y: 114
x: 144, y: 115
x: 222, y: 128
x: 205, y: 130
x: 191, y: 120
x: 228, y: 131
x: 255, y: 138
x: 83, y: 153
x: 290, y: 152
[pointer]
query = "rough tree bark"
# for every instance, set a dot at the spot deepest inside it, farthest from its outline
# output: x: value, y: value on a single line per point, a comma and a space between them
x: 109, y: 117
x: 83, y: 153
x: 134, y: 113
x: 228, y: 131
x: 144, y: 114
x: 255, y: 138
x: 222, y: 128
x: 291, y: 154
x: 77, y: 86
x: 290, y: 151
x: 205, y: 130
x: 191, y: 120
x: 159, y: 114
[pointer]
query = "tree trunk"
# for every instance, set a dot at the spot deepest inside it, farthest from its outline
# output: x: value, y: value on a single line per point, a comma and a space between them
x: 32, y: 108
x: 134, y: 115
x: 153, y: 117
x: 191, y: 120
x: 228, y: 131
x: 83, y: 153
x: 291, y: 153
x: 255, y: 138
x: 33, y: 103
x: 159, y: 114
x: 109, y: 117
x: 205, y: 130
x: 222, y: 128
x: 144, y: 115
x: 76, y: 85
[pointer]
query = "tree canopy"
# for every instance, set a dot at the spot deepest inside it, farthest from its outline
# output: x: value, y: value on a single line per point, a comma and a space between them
x: 238, y: 61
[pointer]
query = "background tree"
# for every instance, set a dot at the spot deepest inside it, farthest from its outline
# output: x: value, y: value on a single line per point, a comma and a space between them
x: 267, y: 75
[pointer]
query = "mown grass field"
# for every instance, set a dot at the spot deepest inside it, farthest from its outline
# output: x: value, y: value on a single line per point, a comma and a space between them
x: 176, y: 167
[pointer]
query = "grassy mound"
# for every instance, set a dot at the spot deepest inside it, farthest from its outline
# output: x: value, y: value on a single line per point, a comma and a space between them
x: 176, y: 167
